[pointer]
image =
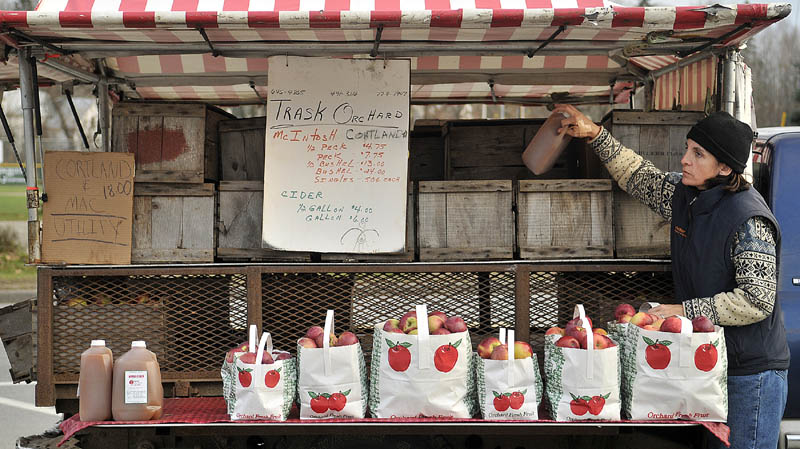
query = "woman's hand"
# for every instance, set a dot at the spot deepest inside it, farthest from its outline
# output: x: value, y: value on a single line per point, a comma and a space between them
x: 575, y: 123
x: 666, y: 310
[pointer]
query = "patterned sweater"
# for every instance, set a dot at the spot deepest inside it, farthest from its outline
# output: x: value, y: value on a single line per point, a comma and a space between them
x: 753, y: 250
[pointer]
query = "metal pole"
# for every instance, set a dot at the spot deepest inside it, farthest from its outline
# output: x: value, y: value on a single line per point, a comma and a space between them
x: 104, y: 114
x: 28, y: 105
x: 729, y: 81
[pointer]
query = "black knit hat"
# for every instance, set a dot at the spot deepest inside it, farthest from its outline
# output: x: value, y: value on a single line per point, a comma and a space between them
x: 728, y: 139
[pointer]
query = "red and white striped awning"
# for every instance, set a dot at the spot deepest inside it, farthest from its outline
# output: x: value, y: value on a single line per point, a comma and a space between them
x: 461, y: 50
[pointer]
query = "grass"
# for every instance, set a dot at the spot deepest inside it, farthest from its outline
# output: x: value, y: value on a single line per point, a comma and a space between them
x: 12, y: 203
x: 14, y: 274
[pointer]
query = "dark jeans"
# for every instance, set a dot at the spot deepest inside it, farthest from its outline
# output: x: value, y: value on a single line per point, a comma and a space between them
x: 755, y: 409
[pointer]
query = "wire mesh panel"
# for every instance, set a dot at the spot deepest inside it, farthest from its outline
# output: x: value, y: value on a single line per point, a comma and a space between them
x: 187, y: 320
x: 554, y: 296
x: 292, y: 302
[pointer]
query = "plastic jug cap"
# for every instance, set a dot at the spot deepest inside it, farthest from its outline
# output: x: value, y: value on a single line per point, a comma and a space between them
x: 138, y: 344
x: 98, y: 342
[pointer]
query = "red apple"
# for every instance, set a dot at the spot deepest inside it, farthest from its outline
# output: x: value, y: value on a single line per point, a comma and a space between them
x: 320, y: 340
x: 441, y: 331
x: 455, y: 324
x: 307, y: 343
x: 579, y: 334
x: 702, y: 324
x: 283, y: 356
x: 568, y: 342
x: 599, y: 331
x: 435, y: 322
x: 500, y: 352
x: 555, y: 330
x: 346, y: 339
x: 575, y: 322
x: 671, y: 324
x: 624, y: 309
x: 624, y: 319
x: 405, y: 325
x: 649, y: 327
x: 229, y: 356
x: 658, y: 323
x: 392, y: 326
x: 441, y: 315
x: 314, y: 331
x: 602, y: 342
x: 250, y: 357
x: 486, y: 346
x: 522, y: 350
x: 641, y: 319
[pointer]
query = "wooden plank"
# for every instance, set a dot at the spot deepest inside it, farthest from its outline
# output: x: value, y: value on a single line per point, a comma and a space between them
x: 240, y: 219
x: 142, y: 222
x: 565, y: 185
x: 198, y: 223
x: 479, y: 219
x: 254, y: 146
x: 677, y: 146
x: 150, y: 136
x: 638, y: 231
x: 154, y: 255
x: 602, y: 221
x: 654, y: 145
x: 161, y: 109
x: 570, y: 219
x: 233, y: 157
x: 244, y: 124
x: 559, y: 171
x: 432, y: 220
x: 465, y: 186
x: 254, y: 299
x: 45, y: 388
x: 262, y: 254
x: 124, y: 134
x: 460, y: 254
x: 534, y: 228
x: 169, y: 176
x: 560, y: 252
x: 241, y: 186
x: 167, y: 223
x: 627, y: 135
x: 483, y: 146
x: 637, y: 117
x: 426, y: 158
x: 183, y: 146
x: 155, y: 189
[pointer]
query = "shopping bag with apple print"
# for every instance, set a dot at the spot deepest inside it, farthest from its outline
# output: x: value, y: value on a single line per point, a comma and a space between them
x: 675, y: 375
x: 331, y: 381
x: 508, y: 389
x: 262, y: 391
x: 421, y: 375
x: 582, y: 384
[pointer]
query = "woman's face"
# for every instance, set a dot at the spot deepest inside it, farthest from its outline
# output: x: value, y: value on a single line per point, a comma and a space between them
x: 699, y: 165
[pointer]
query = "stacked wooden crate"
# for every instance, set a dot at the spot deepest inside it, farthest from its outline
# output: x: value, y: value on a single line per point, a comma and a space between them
x: 177, y: 161
x: 659, y: 137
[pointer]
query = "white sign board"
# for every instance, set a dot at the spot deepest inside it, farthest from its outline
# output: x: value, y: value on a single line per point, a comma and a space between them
x: 336, y: 160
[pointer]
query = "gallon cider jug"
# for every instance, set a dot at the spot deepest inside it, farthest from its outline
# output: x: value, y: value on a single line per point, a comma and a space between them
x: 94, y: 383
x: 137, y: 394
x: 545, y: 147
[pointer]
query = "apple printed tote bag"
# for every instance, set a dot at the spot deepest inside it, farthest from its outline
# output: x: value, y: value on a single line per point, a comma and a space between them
x: 421, y: 375
x: 260, y: 391
x: 582, y: 384
x: 331, y: 381
x: 508, y: 389
x: 675, y: 375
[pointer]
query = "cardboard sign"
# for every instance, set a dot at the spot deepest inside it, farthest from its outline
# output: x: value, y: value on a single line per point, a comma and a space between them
x: 336, y: 159
x: 88, y: 214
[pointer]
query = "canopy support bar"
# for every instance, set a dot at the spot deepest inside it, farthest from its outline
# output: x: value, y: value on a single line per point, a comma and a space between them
x: 32, y: 191
x: 684, y: 53
x: 552, y: 37
x: 374, y: 52
x: 19, y: 34
x: 214, y: 51
x: 68, y: 94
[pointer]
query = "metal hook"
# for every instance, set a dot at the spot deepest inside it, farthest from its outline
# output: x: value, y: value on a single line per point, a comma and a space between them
x: 491, y: 89
x: 287, y: 59
x: 253, y: 86
x: 384, y: 61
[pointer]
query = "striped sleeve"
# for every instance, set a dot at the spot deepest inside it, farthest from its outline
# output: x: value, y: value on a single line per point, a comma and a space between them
x: 636, y: 175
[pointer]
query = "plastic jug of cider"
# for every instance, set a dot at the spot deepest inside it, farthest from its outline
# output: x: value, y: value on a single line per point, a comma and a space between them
x: 137, y: 394
x: 545, y: 147
x: 94, y: 383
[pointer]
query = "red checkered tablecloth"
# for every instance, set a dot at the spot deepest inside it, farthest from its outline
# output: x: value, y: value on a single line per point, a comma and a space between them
x: 213, y: 410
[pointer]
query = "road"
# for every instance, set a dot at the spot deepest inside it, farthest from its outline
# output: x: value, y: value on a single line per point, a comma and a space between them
x: 17, y: 403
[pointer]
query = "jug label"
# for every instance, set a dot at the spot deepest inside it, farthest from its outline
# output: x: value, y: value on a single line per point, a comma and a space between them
x: 136, y: 387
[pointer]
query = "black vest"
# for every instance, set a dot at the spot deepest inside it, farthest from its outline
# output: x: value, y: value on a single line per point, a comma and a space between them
x: 701, y: 238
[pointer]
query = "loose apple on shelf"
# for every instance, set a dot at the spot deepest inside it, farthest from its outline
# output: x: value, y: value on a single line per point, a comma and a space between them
x: 574, y: 335
x: 314, y: 338
x: 492, y: 348
x: 438, y: 324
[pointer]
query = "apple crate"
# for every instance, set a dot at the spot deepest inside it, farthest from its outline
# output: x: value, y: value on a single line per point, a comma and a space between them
x: 241, y: 147
x: 659, y: 137
x: 240, y: 222
x: 565, y: 218
x: 176, y: 142
x: 173, y: 223
x: 462, y: 220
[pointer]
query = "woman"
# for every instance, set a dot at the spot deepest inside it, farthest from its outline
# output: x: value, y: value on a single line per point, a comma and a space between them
x: 724, y: 242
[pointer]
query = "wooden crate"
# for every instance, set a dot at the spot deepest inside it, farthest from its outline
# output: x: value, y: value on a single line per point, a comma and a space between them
x: 174, y: 142
x: 241, y: 145
x: 405, y: 256
x: 492, y: 149
x: 426, y: 144
x: 173, y: 223
x: 661, y: 138
x: 241, y: 205
x: 564, y: 218
x: 461, y: 220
